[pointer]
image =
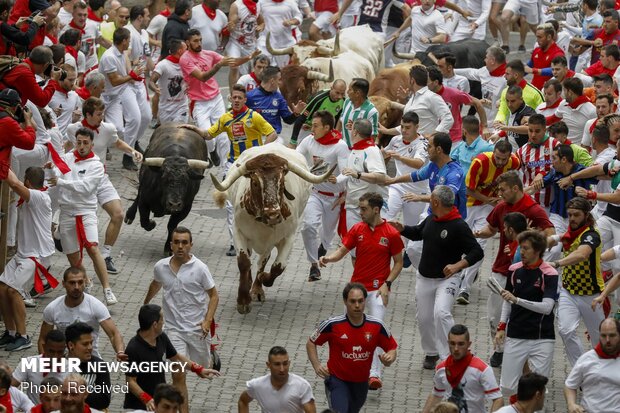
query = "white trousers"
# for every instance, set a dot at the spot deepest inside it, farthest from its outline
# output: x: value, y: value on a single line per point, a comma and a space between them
x: 477, y: 220
x: 205, y: 114
x: 572, y: 308
x: 375, y: 308
x: 537, y: 353
x: 414, y: 248
x: 131, y: 106
x: 319, y: 224
x: 462, y: 30
x: 434, y: 300
x: 494, y: 306
x: 610, y: 236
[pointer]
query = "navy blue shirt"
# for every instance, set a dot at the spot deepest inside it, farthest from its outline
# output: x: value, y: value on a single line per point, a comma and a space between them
x: 562, y: 196
x: 271, y: 105
x: 452, y: 175
x: 375, y: 13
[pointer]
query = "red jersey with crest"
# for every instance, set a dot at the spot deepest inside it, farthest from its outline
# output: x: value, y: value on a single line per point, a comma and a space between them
x: 374, y: 251
x: 351, y: 347
x: 541, y: 59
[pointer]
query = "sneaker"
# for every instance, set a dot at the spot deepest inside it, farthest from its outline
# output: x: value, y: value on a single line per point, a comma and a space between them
x: 430, y: 362
x: 322, y: 251
x: 496, y: 43
x: 231, y: 251
x: 30, y: 303
x: 406, y: 261
x: 496, y: 359
x: 506, y: 49
x: 57, y: 244
x: 110, y: 298
x: 6, y: 339
x: 522, y: 48
x: 463, y: 298
x: 109, y: 265
x: 88, y: 288
x: 129, y: 164
x: 315, y: 273
x: 215, y: 158
x: 374, y: 383
x: 20, y: 343
x: 46, y: 290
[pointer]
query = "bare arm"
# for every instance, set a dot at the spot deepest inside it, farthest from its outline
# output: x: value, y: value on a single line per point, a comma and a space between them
x: 313, y: 356
x: 481, y: 113
x: 214, y: 299
x: 486, y: 232
x: 582, y: 253
x: 271, y: 137
x: 117, y: 80
x: 571, y: 400
x: 17, y: 186
x: 152, y: 292
x: 497, y: 404
x: 243, y: 405
x: 153, y: 82
x: 114, y: 335
x: 45, y: 328
x: 309, y: 407
x: 137, y: 391
x: 431, y: 402
x: 204, y: 76
x: 334, y: 256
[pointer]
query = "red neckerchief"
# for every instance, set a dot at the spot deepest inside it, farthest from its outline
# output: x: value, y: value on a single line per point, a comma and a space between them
x: 512, y: 246
x: 81, y: 29
x: 72, y: 52
x: 38, y: 408
x: 6, y: 402
x: 554, y: 105
x: 88, y: 126
x: 499, y: 71
x: 331, y: 138
x: 253, y: 76
x: 53, y: 39
x: 20, y: 201
x: 522, y: 204
x: 450, y: 216
x: 593, y: 126
x: 251, y: 5
x: 79, y: 157
x: 533, y: 266
x: 235, y: 114
x: 601, y: 354
x: 579, y: 101
x: 83, y: 92
x: 361, y: 145
x: 522, y: 84
x: 60, y: 89
x: 93, y: 16
x: 569, y: 74
x: 173, y: 59
x: 441, y: 89
x: 571, y: 235
x: 166, y: 13
x: 87, y: 409
x: 209, y: 11
x: 567, y: 142
x: 455, y: 369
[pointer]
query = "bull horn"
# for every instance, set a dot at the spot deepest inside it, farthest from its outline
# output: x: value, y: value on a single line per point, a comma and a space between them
x: 314, y: 75
x: 307, y: 175
x: 153, y: 161
x: 324, y: 50
x: 277, y: 52
x: 336, y: 50
x: 230, y: 179
x: 404, y: 56
x: 198, y: 164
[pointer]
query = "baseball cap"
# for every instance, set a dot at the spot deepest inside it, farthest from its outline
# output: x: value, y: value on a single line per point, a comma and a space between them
x: 10, y: 97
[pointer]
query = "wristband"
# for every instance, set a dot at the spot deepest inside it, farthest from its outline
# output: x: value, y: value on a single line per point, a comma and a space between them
x: 359, y: 175
x: 145, y: 397
x: 591, y: 194
x: 501, y: 326
x: 389, y: 284
x: 135, y: 76
x: 197, y: 368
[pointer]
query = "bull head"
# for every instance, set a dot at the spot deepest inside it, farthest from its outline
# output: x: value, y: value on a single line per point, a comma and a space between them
x: 277, y: 52
x: 404, y: 56
x: 193, y: 163
x: 314, y: 75
x: 325, y: 50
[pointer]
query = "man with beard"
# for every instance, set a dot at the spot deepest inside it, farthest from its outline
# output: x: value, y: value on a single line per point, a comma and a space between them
x: 597, y: 374
x: 463, y: 378
x: 167, y: 82
x: 74, y: 395
x: 515, y: 73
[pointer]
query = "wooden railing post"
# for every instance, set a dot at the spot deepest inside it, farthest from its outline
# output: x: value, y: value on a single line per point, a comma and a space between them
x: 5, y: 190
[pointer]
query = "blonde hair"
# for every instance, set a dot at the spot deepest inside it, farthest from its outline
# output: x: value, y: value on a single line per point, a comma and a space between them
x: 445, y: 407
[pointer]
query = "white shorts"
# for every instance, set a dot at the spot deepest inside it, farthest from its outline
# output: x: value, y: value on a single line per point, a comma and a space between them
x: 192, y: 346
x: 531, y: 11
x: 178, y: 112
x: 106, y: 192
x: 234, y: 49
x: 68, y: 231
x: 348, y: 20
x: 19, y: 272
x: 323, y: 22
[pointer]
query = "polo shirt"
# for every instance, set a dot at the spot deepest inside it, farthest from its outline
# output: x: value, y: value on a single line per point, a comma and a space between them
x: 204, y: 61
x: 416, y: 149
x: 375, y: 248
x: 465, y: 154
x: 138, y: 351
x: 598, y: 69
x: 599, y: 380
x: 607, y: 40
x: 113, y: 61
x: 425, y: 24
x: 350, y: 113
x: 451, y: 174
x: 367, y: 160
x: 289, y: 398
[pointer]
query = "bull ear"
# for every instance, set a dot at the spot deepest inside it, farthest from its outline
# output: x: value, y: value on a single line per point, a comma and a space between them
x: 288, y: 195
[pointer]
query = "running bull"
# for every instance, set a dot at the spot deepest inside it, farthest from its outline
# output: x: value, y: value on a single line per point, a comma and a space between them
x: 169, y: 177
x: 269, y: 188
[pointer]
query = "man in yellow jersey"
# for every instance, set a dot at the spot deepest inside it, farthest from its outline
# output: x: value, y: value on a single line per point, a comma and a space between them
x: 245, y: 129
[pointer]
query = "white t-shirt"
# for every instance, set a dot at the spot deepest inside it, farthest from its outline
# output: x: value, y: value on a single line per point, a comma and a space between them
x: 68, y: 103
x: 34, y: 379
x: 104, y: 139
x: 274, y: 14
x: 323, y: 157
x: 19, y: 400
x: 457, y: 82
x: 64, y: 16
x: 33, y: 224
x: 80, y: 65
x: 363, y: 160
x: 248, y: 82
x: 173, y: 88
x: 90, y: 311
x: 113, y: 61
x: 425, y: 24
x: 139, y: 49
x: 576, y: 119
x: 507, y: 409
x: 185, y: 293
x: 89, y: 41
x: 290, y: 398
x: 155, y: 29
x: 210, y: 29
x: 417, y: 149
x: 599, y: 380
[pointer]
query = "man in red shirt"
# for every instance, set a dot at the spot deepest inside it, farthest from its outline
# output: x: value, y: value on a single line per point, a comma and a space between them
x: 14, y: 134
x: 353, y: 338
x: 377, y: 243
x: 608, y: 63
x: 510, y: 189
x: 542, y: 56
x: 608, y: 34
x: 25, y: 8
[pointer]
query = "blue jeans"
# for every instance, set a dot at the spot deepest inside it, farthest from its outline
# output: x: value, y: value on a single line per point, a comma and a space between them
x: 345, y: 396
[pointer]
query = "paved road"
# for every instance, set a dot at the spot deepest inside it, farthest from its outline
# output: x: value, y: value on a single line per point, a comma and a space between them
x: 292, y: 309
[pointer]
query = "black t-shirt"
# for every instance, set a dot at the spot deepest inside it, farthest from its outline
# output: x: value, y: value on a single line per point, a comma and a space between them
x: 532, y: 284
x: 138, y: 351
x: 100, y: 399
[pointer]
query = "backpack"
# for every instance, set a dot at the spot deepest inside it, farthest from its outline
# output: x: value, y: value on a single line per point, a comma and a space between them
x: 8, y: 63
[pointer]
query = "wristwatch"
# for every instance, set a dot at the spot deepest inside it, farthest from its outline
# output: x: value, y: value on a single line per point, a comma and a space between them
x: 389, y: 284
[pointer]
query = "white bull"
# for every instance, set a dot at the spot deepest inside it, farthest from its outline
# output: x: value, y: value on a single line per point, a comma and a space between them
x: 346, y: 66
x: 269, y: 187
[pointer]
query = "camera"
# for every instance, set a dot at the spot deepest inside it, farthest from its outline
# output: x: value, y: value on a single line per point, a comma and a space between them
x: 48, y: 72
x: 19, y: 114
x: 32, y: 16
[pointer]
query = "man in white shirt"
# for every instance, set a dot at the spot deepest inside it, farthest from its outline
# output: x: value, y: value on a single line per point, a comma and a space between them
x: 245, y: 22
x: 604, y: 106
x: 530, y: 395
x: 65, y: 14
x: 446, y: 63
x: 212, y: 23
x: 167, y: 82
x: 16, y: 401
x: 90, y: 33
x: 74, y: 57
x: 106, y: 137
x: 475, y: 26
x: 156, y: 28
x: 76, y: 305
x: 294, y: 393
x: 575, y: 111
x: 552, y: 91
x: 427, y: 26
x: 253, y: 79
x: 323, y: 149
x: 597, y: 374
x: 65, y: 101
x: 76, y: 191
x: 32, y: 258
x: 281, y: 17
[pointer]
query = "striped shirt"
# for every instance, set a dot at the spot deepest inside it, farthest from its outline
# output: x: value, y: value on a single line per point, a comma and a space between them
x: 536, y: 159
x: 483, y: 173
x: 350, y: 114
x: 562, y: 196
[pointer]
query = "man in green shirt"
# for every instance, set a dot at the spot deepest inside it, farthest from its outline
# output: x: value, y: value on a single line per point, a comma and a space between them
x: 357, y: 107
x: 515, y: 72
x: 559, y: 131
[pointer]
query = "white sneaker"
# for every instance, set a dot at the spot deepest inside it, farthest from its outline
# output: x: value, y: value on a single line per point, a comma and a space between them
x: 496, y: 43
x: 30, y: 303
x: 110, y: 298
x: 89, y: 286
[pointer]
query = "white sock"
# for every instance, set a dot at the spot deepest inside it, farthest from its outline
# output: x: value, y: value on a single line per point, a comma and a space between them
x: 106, y: 251
x: 12, y: 333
